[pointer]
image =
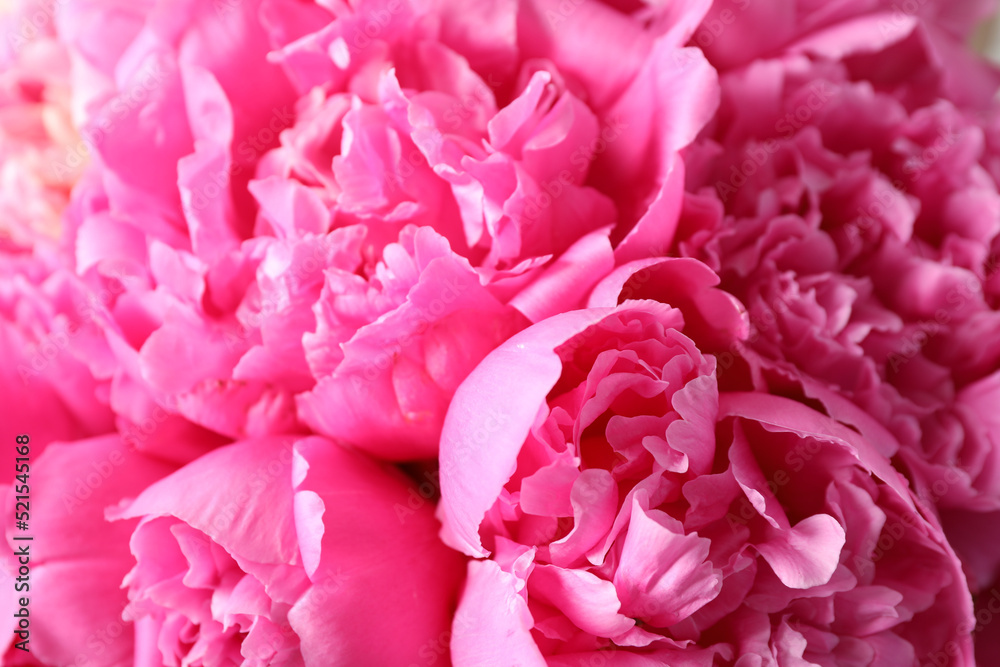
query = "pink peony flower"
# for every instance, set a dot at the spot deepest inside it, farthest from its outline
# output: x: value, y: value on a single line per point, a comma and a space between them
x: 337, y: 255
x: 515, y: 141
x: 76, y: 560
x: 277, y: 551
x: 624, y: 511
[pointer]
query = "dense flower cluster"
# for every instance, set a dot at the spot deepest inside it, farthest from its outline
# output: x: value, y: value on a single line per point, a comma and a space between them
x: 861, y: 229
x: 523, y: 332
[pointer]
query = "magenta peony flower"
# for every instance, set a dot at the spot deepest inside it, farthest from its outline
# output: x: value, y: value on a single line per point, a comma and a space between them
x: 337, y: 255
x: 861, y: 230
x: 624, y: 511
x: 284, y: 552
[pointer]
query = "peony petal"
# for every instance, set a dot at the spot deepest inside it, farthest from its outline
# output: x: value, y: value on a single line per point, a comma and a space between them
x: 232, y: 518
x: 669, y: 588
x: 492, y: 626
x: 414, y: 579
x: 479, y: 448
x: 807, y: 554
x: 588, y: 601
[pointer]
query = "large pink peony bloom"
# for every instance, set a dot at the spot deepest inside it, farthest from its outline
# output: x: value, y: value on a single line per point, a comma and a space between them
x: 623, y: 511
x: 338, y: 254
x: 76, y: 559
x: 862, y: 231
x: 285, y: 552
x: 513, y: 142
